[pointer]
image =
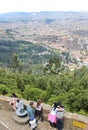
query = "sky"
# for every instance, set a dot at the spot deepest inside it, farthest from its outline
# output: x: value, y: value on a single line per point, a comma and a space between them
x: 42, y: 5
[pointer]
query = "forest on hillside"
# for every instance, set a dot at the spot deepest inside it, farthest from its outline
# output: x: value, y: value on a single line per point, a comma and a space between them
x: 71, y: 88
x: 29, y: 54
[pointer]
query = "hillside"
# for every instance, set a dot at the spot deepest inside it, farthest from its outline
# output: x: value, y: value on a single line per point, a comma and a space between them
x: 63, y: 31
x: 28, y: 53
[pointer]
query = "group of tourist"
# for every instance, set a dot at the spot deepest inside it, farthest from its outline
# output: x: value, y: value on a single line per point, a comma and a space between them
x: 35, y: 113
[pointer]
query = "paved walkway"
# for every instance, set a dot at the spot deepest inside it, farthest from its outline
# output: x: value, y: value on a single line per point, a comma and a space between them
x: 10, y: 124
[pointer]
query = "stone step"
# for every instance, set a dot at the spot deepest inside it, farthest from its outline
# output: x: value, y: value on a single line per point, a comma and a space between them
x: 20, y: 120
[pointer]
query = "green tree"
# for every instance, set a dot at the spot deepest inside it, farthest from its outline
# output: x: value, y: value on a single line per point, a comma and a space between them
x: 41, y: 83
x: 53, y: 67
x: 16, y: 65
x: 34, y: 93
x: 3, y: 89
x: 20, y: 83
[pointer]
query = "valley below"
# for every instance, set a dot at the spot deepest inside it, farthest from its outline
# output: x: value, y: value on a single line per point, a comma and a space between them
x: 64, y: 32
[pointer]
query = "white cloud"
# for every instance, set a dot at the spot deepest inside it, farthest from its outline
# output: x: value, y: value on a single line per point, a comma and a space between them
x: 43, y: 5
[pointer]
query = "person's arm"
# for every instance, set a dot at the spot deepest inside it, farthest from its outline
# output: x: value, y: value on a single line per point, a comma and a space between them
x: 59, y: 109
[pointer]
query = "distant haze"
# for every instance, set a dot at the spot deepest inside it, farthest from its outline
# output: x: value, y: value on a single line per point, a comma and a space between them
x: 42, y: 5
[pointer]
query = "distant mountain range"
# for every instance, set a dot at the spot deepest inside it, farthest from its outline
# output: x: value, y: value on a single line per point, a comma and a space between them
x: 13, y: 16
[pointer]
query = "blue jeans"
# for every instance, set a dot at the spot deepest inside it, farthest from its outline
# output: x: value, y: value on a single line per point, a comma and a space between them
x: 59, y: 123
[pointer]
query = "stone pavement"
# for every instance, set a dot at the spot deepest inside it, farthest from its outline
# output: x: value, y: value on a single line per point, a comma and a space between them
x: 6, y: 118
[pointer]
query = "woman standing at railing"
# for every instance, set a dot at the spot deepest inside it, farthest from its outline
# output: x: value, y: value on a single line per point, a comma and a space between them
x: 59, y: 116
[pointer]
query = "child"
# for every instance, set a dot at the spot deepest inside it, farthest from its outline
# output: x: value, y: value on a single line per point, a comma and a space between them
x: 33, y: 123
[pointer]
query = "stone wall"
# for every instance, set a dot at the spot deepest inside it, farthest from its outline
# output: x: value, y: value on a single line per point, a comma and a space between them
x: 75, y: 121
x: 71, y: 121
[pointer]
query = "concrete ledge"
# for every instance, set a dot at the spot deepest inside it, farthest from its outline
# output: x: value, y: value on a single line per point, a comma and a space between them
x: 4, y: 105
x: 20, y: 120
x: 21, y: 114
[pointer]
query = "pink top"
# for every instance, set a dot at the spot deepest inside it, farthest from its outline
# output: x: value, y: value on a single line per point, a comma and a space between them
x: 52, y: 118
x: 13, y: 102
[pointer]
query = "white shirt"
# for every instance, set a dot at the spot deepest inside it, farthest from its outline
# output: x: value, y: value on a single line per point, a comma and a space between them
x: 33, y: 123
x: 60, y: 113
x: 39, y: 108
x: 53, y: 111
x: 19, y: 105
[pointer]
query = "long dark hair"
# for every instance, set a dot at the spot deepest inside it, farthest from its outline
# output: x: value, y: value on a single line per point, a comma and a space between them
x: 60, y: 104
x: 14, y: 95
x: 55, y: 105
